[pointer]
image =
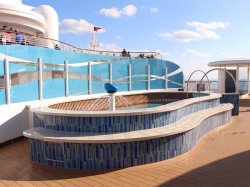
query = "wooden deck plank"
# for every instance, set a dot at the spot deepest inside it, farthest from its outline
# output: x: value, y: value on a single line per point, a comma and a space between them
x: 221, y: 158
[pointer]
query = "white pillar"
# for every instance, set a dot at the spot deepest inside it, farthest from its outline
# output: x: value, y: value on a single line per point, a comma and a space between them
x: 237, y: 78
x: 148, y: 76
x: 221, y: 81
x: 66, y: 71
x: 166, y: 77
x: 40, y: 78
x: 7, y: 81
x: 111, y: 102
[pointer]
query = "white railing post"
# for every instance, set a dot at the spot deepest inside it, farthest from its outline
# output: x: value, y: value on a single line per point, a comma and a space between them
x: 166, y: 77
x: 7, y: 80
x: 129, y: 77
x: 40, y: 78
x: 110, y: 73
x: 90, y: 78
x: 66, y: 71
x: 148, y: 76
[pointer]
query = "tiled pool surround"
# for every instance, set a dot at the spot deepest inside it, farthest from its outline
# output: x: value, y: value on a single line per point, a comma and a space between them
x: 124, y: 153
x: 116, y: 124
x: 231, y: 98
x: 120, y: 155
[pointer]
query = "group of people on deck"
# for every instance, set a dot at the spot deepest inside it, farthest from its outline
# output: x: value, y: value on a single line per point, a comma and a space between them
x: 125, y: 53
x: 11, y: 36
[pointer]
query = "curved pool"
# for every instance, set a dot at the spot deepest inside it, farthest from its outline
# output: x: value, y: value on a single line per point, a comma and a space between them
x: 67, y: 135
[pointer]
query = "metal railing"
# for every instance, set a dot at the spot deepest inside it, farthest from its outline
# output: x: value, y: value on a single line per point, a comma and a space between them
x: 10, y: 37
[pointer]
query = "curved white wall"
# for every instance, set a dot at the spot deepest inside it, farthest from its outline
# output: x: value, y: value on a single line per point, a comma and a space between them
x: 51, y: 20
x: 21, y: 18
x: 40, y: 21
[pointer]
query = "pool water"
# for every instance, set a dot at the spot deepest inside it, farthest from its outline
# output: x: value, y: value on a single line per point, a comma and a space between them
x: 141, y: 106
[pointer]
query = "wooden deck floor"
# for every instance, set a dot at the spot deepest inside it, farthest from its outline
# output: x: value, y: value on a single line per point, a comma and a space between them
x: 221, y: 158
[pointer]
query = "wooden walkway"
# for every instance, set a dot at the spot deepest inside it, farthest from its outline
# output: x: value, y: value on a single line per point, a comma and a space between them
x: 221, y: 158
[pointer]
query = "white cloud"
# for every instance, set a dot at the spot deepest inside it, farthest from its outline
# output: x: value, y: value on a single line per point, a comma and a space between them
x: 197, y: 53
x: 199, y: 26
x: 111, y: 12
x: 202, y: 31
x: 109, y: 47
x: 118, y: 37
x: 129, y: 10
x: 153, y: 10
x: 77, y: 26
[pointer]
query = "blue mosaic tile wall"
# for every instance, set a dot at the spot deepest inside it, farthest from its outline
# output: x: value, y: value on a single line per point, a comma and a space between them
x: 120, y: 155
x: 231, y: 98
x: 115, y: 124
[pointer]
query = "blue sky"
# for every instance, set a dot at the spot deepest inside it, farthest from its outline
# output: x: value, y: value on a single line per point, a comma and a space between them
x: 190, y: 33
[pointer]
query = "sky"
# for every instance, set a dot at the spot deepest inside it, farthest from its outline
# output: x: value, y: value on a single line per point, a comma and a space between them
x: 190, y: 33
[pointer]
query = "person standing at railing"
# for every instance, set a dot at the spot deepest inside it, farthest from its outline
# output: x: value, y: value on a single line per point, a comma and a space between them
x: 19, y: 37
x: 124, y: 53
x: 1, y: 38
x: 6, y: 38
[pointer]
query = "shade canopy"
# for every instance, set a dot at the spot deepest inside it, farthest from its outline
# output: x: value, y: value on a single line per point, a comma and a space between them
x: 243, y: 62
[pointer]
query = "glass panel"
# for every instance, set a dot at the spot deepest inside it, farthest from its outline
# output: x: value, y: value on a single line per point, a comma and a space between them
x: 120, y: 75
x: 100, y: 76
x: 23, y: 81
x: 53, y: 81
x: 78, y: 80
x: 2, y: 84
x: 139, y: 74
x: 157, y: 74
x: 175, y: 75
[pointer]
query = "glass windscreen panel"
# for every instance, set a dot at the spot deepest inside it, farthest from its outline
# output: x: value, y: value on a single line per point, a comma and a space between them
x: 99, y: 76
x: 157, y: 74
x: 53, y: 80
x: 139, y: 73
x: 78, y: 79
x: 120, y: 74
x: 2, y: 83
x: 23, y: 81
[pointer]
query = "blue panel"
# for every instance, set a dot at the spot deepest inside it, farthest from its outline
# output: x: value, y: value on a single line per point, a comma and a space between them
x: 53, y: 88
x: 1, y: 68
x: 100, y: 72
x: 100, y: 75
x: 24, y: 92
x: 120, y: 74
x: 139, y: 74
x: 157, y: 72
x: 176, y: 80
x: 2, y: 87
x: 19, y: 91
x: 78, y: 80
x: 2, y: 96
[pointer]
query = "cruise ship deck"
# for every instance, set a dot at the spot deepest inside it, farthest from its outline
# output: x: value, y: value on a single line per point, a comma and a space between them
x: 220, y: 158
